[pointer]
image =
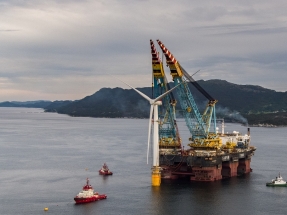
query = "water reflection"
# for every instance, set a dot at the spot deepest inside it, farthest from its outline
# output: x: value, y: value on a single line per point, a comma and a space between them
x: 105, y: 178
x: 200, y: 197
x: 87, y: 209
x: 52, y: 152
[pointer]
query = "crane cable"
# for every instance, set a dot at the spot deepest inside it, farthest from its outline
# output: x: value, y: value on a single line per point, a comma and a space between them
x: 197, y: 86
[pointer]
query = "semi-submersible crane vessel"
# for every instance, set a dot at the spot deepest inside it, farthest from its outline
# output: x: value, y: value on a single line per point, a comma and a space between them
x: 211, y: 155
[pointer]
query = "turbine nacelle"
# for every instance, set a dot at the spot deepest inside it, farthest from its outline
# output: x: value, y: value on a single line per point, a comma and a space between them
x: 152, y: 102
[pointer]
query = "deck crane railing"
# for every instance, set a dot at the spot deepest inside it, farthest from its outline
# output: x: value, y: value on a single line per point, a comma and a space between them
x: 198, y: 125
x: 168, y: 130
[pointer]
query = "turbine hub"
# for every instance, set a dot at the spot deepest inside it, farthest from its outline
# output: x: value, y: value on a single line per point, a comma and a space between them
x: 157, y: 103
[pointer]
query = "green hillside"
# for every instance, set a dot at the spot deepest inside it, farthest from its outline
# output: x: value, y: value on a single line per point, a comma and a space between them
x: 236, y: 103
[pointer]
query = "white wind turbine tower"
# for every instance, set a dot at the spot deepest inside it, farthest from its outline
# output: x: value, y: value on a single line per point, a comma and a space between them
x: 156, y: 175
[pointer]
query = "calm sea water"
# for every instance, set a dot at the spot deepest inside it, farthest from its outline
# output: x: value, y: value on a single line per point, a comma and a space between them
x: 45, y: 159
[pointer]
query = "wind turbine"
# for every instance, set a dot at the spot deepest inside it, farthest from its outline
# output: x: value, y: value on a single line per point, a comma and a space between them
x: 156, y: 174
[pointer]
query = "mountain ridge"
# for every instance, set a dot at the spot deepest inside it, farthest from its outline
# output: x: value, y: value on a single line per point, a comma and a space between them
x: 236, y: 103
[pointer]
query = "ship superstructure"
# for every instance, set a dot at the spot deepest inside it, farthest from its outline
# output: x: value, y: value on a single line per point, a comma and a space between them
x: 212, y: 155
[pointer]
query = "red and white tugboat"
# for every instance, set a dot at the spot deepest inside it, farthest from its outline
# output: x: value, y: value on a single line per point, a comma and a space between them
x: 88, y: 195
x: 105, y: 170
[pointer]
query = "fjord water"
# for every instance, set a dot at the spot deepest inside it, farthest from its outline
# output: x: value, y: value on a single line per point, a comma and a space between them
x: 45, y: 159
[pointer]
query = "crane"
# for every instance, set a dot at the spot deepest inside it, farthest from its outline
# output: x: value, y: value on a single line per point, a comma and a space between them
x: 197, y: 123
x: 169, y: 138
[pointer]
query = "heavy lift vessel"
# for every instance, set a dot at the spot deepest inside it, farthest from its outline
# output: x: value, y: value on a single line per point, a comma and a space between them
x: 212, y: 155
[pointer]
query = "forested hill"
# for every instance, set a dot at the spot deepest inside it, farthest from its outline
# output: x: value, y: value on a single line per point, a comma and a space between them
x: 110, y: 103
x: 236, y: 102
x: 246, y: 99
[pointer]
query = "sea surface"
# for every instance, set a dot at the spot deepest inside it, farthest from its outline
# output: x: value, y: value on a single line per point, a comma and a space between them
x: 45, y: 159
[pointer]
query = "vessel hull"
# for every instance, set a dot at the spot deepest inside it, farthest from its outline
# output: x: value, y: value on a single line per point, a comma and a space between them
x: 229, y: 169
x: 206, y: 168
x: 89, y: 199
x: 206, y: 174
x: 275, y: 185
x: 105, y: 173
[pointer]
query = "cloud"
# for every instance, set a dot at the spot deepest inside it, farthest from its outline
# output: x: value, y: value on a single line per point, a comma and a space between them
x: 67, y: 48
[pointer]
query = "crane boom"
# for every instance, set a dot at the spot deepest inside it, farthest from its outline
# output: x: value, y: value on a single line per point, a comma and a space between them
x: 191, y: 112
x: 209, y: 111
x: 197, y: 86
x: 168, y: 131
x: 198, y: 125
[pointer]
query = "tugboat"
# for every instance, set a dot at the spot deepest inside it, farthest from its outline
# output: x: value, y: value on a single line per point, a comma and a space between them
x: 277, y: 182
x: 88, y: 195
x: 105, y: 170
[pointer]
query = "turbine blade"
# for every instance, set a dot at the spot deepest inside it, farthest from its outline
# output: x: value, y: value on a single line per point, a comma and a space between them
x: 164, y: 94
x: 149, y: 130
x: 139, y: 92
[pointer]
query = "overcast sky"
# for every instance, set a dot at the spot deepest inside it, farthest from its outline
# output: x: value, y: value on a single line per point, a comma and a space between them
x: 65, y: 49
